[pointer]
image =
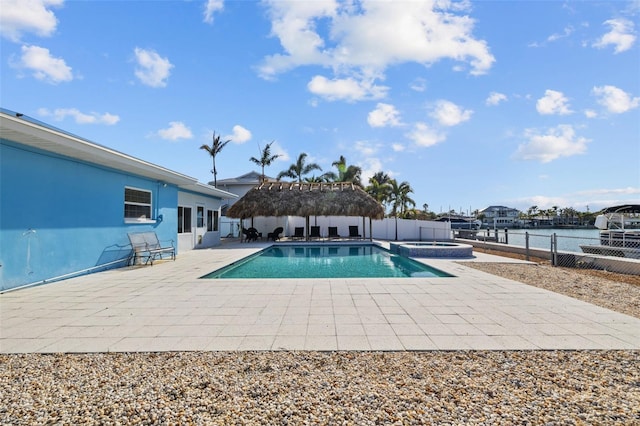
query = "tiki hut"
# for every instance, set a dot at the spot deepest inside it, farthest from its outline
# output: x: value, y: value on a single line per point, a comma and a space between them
x: 306, y: 199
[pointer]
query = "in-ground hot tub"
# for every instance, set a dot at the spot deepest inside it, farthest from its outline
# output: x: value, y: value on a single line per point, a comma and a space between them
x: 432, y: 249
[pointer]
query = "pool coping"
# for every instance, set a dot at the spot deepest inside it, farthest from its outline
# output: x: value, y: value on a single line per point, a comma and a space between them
x: 166, y: 307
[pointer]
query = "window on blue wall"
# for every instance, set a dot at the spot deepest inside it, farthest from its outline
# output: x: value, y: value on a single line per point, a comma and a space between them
x: 137, y: 203
x: 184, y: 220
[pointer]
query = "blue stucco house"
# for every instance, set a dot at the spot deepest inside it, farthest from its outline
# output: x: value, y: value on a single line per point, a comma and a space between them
x: 67, y: 204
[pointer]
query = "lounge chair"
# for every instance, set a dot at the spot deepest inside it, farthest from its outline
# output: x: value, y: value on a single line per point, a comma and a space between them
x: 333, y: 232
x: 314, y: 232
x: 298, y: 232
x: 250, y: 234
x: 146, y: 247
x: 275, y: 235
x: 353, y: 232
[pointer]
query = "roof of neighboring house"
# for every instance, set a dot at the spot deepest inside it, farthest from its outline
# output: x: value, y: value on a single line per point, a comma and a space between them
x: 306, y: 199
x: 494, y: 208
x: 26, y: 131
x: 245, y: 179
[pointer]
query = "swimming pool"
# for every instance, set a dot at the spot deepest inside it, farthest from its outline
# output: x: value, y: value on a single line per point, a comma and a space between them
x: 326, y: 261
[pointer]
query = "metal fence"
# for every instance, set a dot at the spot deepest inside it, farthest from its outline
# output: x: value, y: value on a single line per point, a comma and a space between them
x: 611, y: 254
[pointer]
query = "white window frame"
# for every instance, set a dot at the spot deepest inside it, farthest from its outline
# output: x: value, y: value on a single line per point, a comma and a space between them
x: 149, y: 219
x: 204, y: 216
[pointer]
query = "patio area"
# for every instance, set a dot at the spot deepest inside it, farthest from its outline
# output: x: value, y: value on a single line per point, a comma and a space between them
x: 166, y: 307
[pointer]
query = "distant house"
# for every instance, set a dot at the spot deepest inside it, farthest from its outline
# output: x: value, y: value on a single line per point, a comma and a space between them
x: 500, y: 217
x: 240, y: 185
x: 67, y: 204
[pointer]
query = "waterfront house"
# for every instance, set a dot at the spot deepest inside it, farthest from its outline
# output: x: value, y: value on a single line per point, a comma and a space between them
x: 67, y: 204
x: 500, y: 217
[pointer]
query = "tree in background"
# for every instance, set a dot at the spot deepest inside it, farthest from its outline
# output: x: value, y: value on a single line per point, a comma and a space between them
x: 399, y: 197
x: 266, y: 158
x: 297, y: 170
x: 400, y: 200
x: 346, y: 173
x: 213, y: 150
x: 317, y: 179
x: 379, y: 188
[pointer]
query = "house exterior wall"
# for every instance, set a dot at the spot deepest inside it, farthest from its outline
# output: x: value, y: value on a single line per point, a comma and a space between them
x: 238, y: 189
x: 60, y: 216
x: 199, y: 236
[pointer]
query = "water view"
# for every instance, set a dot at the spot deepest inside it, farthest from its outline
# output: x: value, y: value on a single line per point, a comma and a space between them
x: 568, y: 239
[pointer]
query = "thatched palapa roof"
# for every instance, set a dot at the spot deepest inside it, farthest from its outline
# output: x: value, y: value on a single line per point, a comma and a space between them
x: 306, y: 199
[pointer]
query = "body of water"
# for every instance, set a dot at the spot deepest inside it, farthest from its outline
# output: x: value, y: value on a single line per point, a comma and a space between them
x: 568, y: 239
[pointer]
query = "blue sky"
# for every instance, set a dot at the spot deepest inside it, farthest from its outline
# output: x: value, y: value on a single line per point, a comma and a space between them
x: 515, y: 103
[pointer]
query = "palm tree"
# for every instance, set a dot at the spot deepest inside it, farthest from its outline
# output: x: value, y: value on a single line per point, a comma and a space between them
x: 346, y: 173
x: 379, y: 187
x: 399, y: 197
x: 213, y: 150
x: 266, y: 158
x: 299, y: 169
x: 400, y: 200
x: 317, y: 179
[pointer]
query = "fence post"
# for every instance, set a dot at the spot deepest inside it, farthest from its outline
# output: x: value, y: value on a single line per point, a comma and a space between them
x: 526, y: 245
x: 554, y: 250
x: 506, y: 236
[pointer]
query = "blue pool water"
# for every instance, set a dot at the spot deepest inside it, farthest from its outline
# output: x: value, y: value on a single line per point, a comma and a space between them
x: 325, y: 261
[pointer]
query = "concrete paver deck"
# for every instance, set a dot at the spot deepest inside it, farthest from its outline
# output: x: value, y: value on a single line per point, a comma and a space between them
x: 166, y: 307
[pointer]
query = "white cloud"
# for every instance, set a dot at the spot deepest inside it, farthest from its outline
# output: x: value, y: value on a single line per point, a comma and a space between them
x: 176, y: 130
x: 425, y: 136
x: 364, y: 38
x: 615, y: 100
x: 366, y: 148
x: 589, y: 113
x: 44, y: 66
x: 375, y: 34
x: 240, y: 135
x: 622, y: 35
x: 593, y: 199
x: 398, y: 147
x: 152, y: 69
x: 384, y: 115
x: 210, y: 8
x: 60, y: 114
x: 348, y: 89
x: 449, y: 114
x: 495, y: 98
x: 553, y: 102
x: 419, y: 85
x: 369, y: 166
x: 560, y: 141
x: 566, y: 33
x: 27, y: 16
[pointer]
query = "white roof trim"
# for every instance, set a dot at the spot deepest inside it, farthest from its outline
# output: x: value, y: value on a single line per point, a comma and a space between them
x: 35, y: 135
